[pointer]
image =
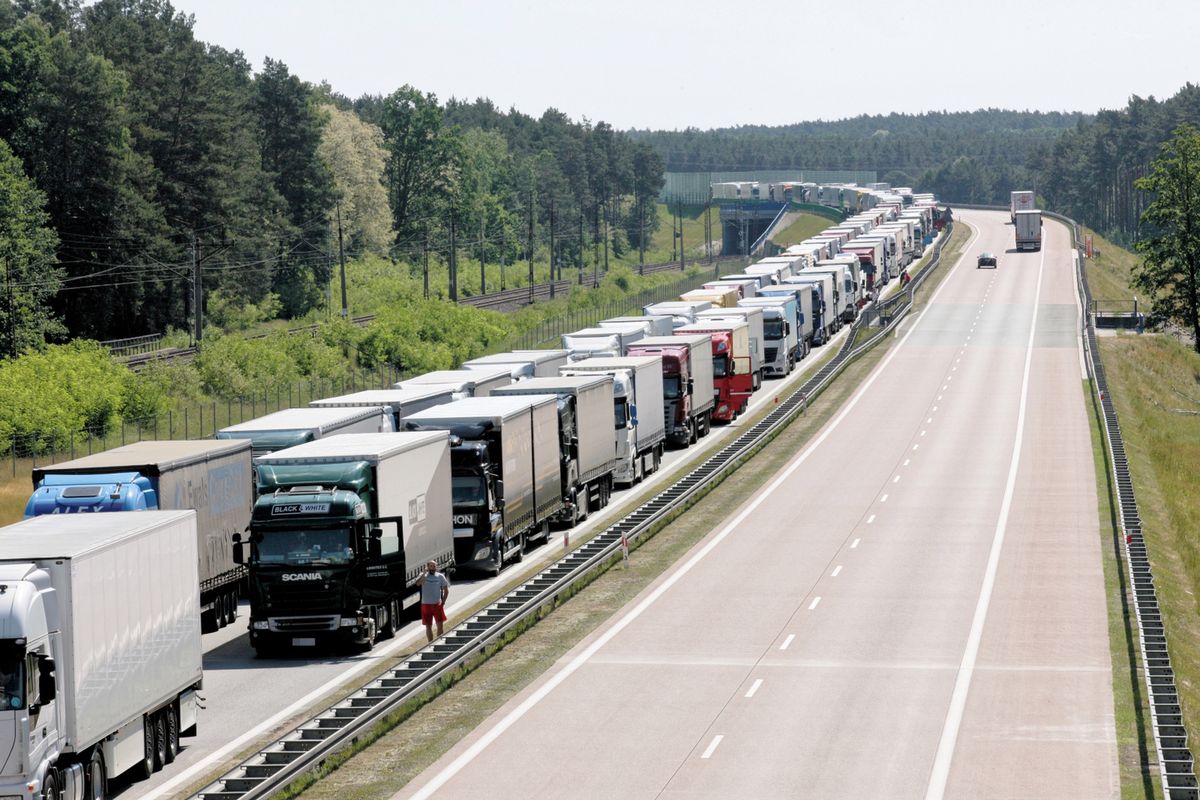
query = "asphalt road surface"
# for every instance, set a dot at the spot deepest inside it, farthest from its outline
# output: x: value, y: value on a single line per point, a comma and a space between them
x: 248, y: 698
x: 912, y: 608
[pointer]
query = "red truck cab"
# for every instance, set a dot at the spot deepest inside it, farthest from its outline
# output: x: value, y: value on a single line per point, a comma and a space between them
x: 733, y: 378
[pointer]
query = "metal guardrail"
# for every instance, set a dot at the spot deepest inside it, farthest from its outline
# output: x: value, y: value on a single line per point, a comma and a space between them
x: 1176, y: 766
x: 306, y: 746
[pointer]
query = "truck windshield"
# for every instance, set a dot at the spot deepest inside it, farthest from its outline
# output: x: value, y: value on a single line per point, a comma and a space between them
x: 720, y: 366
x: 671, y: 387
x: 620, y: 413
x: 12, y: 678
x: 305, y: 546
x: 468, y: 490
x: 773, y: 328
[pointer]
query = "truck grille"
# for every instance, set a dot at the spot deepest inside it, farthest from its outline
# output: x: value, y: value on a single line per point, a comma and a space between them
x: 303, y: 624
x: 309, y: 596
x: 771, y: 352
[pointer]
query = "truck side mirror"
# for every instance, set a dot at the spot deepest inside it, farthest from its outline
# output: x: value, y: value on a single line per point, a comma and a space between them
x: 499, y: 490
x: 632, y: 416
x: 375, y: 543
x: 691, y: 386
x: 239, y: 557
x: 47, y: 688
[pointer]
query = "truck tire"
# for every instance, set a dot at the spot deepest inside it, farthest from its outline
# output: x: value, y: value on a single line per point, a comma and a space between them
x: 145, y: 768
x: 50, y: 785
x: 388, y: 630
x: 160, y: 740
x: 172, y: 718
x: 97, y: 776
x: 208, y: 619
x: 705, y: 423
x: 693, y: 433
x: 232, y: 616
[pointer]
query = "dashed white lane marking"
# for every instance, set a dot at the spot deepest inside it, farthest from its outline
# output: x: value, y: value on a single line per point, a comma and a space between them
x: 928, y: 420
x: 940, y: 773
x: 883, y: 499
x: 896, y: 479
x: 945, y: 386
x: 922, y: 433
x: 791, y: 637
x: 907, y: 461
x: 870, y: 519
x: 939, y: 398
x: 814, y: 603
x: 854, y: 544
x: 712, y: 746
x: 935, y: 408
x: 754, y: 687
x: 836, y: 571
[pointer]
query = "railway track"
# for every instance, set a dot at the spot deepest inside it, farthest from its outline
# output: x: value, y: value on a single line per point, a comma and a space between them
x: 306, y: 746
x: 508, y: 299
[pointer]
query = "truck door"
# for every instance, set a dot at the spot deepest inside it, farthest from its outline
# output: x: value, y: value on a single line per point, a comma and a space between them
x: 380, y: 575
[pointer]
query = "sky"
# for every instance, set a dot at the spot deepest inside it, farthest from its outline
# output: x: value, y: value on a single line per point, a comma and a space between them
x: 666, y: 64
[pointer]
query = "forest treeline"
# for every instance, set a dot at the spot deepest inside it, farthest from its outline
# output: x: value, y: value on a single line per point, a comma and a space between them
x: 130, y: 151
x: 1082, y: 165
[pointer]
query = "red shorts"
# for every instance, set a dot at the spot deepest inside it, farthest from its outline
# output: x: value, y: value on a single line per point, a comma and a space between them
x: 431, y: 612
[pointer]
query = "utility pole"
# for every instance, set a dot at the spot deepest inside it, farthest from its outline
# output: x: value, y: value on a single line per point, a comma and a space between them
x: 641, y: 236
x: 581, y: 244
x: 482, y: 274
x: 529, y: 252
x: 552, y: 247
x: 12, y: 325
x: 503, y: 247
x: 682, y: 257
x: 342, y: 259
x: 425, y: 262
x: 197, y: 290
x: 606, y: 211
x: 453, y: 262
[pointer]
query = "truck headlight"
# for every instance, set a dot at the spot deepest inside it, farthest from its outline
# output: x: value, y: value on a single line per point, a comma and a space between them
x: 260, y: 625
x: 349, y: 622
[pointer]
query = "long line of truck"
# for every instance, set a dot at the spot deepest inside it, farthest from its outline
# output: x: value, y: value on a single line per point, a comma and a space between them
x: 325, y: 516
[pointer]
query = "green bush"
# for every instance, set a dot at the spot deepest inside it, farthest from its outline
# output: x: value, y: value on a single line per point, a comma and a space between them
x: 427, y: 336
x: 232, y: 367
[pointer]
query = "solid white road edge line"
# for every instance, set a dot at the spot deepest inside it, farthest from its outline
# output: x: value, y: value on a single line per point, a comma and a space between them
x: 492, y: 734
x: 940, y: 774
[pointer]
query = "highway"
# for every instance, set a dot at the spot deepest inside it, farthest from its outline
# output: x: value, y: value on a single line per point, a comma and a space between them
x: 912, y: 608
x: 247, y: 698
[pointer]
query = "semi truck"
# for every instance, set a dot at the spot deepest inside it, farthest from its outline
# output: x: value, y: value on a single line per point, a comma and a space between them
x: 587, y: 452
x: 601, y: 342
x: 824, y: 289
x: 638, y: 427
x: 746, y: 286
x: 733, y: 382
x: 687, y: 384
x: 782, y: 342
x: 340, y: 535
x: 101, y: 649
x: 398, y: 403
x: 504, y: 462
x: 526, y: 363
x: 1029, y: 230
x: 293, y: 426
x: 845, y: 297
x: 720, y: 297
x: 464, y: 382
x: 210, y: 477
x: 1019, y: 201
x: 753, y: 316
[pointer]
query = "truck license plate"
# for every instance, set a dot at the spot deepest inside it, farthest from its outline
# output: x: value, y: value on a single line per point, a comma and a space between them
x: 304, y: 641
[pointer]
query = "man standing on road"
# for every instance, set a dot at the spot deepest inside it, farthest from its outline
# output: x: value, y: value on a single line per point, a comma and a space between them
x: 435, y: 588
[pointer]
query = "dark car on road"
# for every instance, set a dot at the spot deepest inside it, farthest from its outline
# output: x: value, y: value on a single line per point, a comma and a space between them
x: 986, y: 260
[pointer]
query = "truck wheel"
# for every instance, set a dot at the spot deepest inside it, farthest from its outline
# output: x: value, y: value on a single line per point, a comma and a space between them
x: 145, y: 768
x: 208, y: 619
x: 706, y: 423
x: 232, y: 616
x: 160, y: 741
x: 50, y: 786
x: 693, y: 434
x: 172, y: 719
x: 393, y: 620
x: 97, y: 776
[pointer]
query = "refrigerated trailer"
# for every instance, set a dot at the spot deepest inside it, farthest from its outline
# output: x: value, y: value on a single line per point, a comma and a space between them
x: 101, y: 643
x: 210, y: 477
x: 1029, y: 230
x: 465, y: 383
x: 754, y: 320
x: 526, y: 363
x: 1019, y: 201
x: 398, y: 403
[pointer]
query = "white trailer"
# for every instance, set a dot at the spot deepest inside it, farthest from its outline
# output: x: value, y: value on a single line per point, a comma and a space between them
x: 589, y: 452
x: 102, y: 647
x: 654, y: 325
x: 463, y: 382
x: 524, y: 363
x: 681, y: 312
x: 293, y: 426
x: 600, y: 342
x: 397, y: 402
x: 637, y: 398
x: 844, y: 307
x: 1029, y: 230
x: 1019, y: 201
x: 825, y: 321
